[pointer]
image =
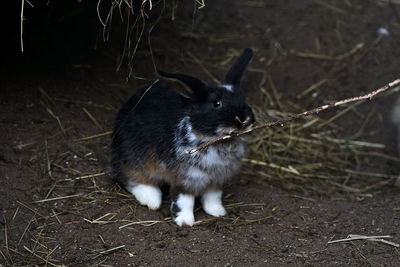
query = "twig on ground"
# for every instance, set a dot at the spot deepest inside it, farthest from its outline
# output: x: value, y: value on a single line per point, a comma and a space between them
x: 108, y: 251
x: 52, y: 114
x: 92, y: 118
x: 94, y: 136
x: 57, y: 198
x: 107, y: 219
x: 234, y: 221
x: 35, y: 212
x: 47, y: 262
x: 370, y: 238
x: 300, y: 115
x: 6, y: 227
x: 46, y: 96
x: 333, y: 58
x: 142, y: 223
x: 48, y: 159
x: 85, y: 176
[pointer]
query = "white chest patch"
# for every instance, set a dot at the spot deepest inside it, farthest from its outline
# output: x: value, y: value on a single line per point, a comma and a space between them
x: 212, y: 165
x: 212, y: 158
x: 196, y: 174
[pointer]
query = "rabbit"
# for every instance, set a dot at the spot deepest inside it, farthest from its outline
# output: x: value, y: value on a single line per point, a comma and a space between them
x: 156, y: 127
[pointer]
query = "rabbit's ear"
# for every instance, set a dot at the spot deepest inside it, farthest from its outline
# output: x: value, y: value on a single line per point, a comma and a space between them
x: 193, y: 87
x: 235, y: 73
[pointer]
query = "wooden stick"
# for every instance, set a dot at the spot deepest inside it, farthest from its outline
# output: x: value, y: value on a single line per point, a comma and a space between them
x: 297, y: 116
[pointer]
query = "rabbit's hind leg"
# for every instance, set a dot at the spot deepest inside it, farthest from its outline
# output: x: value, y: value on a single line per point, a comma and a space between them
x: 147, y: 195
x: 143, y: 183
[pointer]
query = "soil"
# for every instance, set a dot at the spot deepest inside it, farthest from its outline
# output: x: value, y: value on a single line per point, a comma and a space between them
x: 49, y: 217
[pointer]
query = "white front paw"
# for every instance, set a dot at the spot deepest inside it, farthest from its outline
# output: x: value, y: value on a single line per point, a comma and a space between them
x: 212, y: 203
x: 215, y: 209
x: 184, y: 218
x: 147, y: 195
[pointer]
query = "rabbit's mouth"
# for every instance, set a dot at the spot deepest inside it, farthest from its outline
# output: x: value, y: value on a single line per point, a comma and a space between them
x: 229, y: 130
x: 221, y: 131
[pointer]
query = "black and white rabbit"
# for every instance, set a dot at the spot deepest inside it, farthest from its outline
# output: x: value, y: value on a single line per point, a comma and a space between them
x: 156, y: 127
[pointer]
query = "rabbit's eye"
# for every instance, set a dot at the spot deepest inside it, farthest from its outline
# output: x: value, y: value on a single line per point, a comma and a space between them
x: 217, y: 103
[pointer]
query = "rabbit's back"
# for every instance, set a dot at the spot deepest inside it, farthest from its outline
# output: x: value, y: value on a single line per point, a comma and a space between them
x: 144, y: 128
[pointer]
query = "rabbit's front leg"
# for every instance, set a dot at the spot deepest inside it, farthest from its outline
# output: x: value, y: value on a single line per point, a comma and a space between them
x: 212, y: 202
x: 182, y: 209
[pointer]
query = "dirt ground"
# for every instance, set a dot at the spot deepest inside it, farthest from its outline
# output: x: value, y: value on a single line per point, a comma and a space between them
x: 58, y: 203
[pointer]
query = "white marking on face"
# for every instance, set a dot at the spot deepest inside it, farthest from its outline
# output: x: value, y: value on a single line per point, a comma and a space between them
x: 212, y: 203
x: 185, y: 216
x: 147, y: 195
x: 228, y: 87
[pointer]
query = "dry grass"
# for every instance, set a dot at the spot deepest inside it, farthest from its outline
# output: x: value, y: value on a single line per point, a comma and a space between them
x: 309, y: 154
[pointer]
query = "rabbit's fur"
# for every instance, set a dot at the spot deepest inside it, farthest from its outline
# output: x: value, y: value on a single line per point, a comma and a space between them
x: 156, y: 127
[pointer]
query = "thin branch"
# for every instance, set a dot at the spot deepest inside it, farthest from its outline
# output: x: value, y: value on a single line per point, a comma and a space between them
x: 297, y: 116
x: 22, y: 25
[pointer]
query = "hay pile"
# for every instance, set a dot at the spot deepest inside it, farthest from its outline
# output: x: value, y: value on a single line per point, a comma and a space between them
x: 309, y: 155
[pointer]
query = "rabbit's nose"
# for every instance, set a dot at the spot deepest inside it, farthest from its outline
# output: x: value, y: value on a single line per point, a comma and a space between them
x: 244, y: 123
x: 247, y: 122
